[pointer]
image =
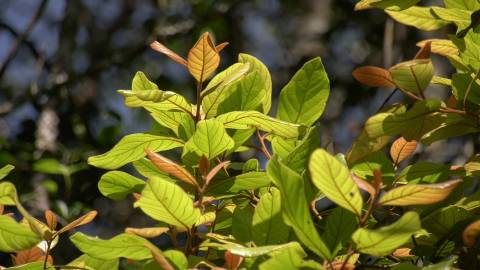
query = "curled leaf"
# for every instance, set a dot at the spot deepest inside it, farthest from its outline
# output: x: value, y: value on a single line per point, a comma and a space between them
x: 401, y: 149
x: 158, y: 257
x: 442, y: 47
x: 419, y: 194
x: 215, y: 170
x: 159, y: 47
x: 51, y: 219
x: 232, y: 261
x: 221, y: 46
x: 364, y: 185
x: 147, y: 232
x: 424, y: 52
x: 85, y: 219
x: 374, y: 76
x: 203, y: 58
x: 168, y: 166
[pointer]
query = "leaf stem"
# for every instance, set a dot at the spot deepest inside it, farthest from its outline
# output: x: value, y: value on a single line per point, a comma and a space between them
x: 264, y: 148
x: 47, y: 253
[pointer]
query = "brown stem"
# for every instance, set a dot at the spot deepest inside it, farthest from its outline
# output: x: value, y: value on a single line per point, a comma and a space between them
x: 47, y: 253
x: 199, y: 101
x: 173, y: 236
x: 264, y: 148
x: 349, y: 254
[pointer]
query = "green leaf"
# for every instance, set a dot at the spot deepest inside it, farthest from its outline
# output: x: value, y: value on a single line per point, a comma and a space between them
x: 242, y: 223
x: 365, y: 167
x: 413, y: 76
x: 444, y: 265
x: 249, y: 119
x: 458, y: 16
x: 464, y: 4
x: 339, y: 228
x: 210, y: 140
x: 176, y: 258
x: 418, y: 194
x: 167, y: 202
x: 419, y: 17
x: 86, y: 261
x: 31, y: 266
x: 264, y: 78
x: 304, y: 98
x: 246, y: 93
x: 461, y: 82
x: 289, y: 258
x: 469, y: 48
x: 268, y: 226
x: 249, y: 252
x: 423, y: 172
x: 412, y: 125
x: 180, y: 123
x: 131, y: 148
x: 383, y: 241
x: 121, y: 246
x: 443, y: 220
x: 395, y: 5
x: 8, y: 193
x: 116, y: 185
x: 146, y: 168
x: 5, y: 170
x: 295, y: 210
x: 233, y: 185
x: 333, y: 179
x: 15, y: 237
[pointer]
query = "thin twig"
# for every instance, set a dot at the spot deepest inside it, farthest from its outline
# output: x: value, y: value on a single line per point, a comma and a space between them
x: 264, y: 148
x: 21, y: 38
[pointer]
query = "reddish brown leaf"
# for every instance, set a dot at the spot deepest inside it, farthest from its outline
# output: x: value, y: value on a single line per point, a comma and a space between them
x: 232, y: 262
x: 203, y: 58
x: 203, y: 165
x: 159, y: 47
x: 221, y: 46
x: 85, y: 219
x: 51, y: 219
x: 136, y: 196
x: 364, y: 185
x: 401, y: 149
x: 168, y: 166
x: 34, y: 254
x: 215, y: 170
x: 471, y: 233
x: 424, y: 51
x: 402, y: 252
x: 374, y: 77
x: 452, y: 102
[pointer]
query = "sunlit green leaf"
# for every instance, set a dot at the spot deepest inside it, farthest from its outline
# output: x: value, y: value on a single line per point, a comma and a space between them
x: 89, y: 262
x: 382, y: 241
x: 5, y: 170
x: 423, y: 172
x: 116, y: 185
x: 180, y: 123
x: 419, y: 17
x: 304, y: 98
x: 15, y: 237
x: 131, y: 148
x: 394, y: 5
x: 339, y: 227
x: 165, y: 201
x: 268, y: 227
x: 7, y: 193
x: 249, y: 119
x: 121, y: 246
x: 413, y: 76
x: 232, y: 185
x: 264, y: 78
x: 333, y: 179
x: 295, y: 209
x: 443, y: 220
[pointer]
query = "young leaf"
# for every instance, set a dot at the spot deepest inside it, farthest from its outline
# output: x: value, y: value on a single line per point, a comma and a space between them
x: 15, y: 237
x: 51, y: 219
x: 210, y: 139
x: 305, y: 96
x: 159, y: 47
x: 268, y: 227
x: 471, y: 233
x: 146, y: 168
x: 442, y: 47
x: 249, y: 119
x: 147, y: 232
x: 158, y: 257
x: 121, y: 246
x: 34, y: 254
x: 383, y: 241
x: 419, y: 17
x: 265, y: 81
x: 221, y: 46
x: 85, y: 219
x: 339, y: 227
x: 424, y: 52
x: 295, y: 209
x: 5, y: 170
x: 215, y: 170
x: 413, y: 76
x: 131, y: 148
x: 419, y: 194
x: 401, y: 149
x: 203, y: 58
x: 374, y: 77
x: 333, y: 179
x: 167, y: 202
x: 171, y: 168
x: 116, y: 185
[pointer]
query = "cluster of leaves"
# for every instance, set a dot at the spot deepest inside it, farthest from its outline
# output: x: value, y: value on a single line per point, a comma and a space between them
x: 223, y: 214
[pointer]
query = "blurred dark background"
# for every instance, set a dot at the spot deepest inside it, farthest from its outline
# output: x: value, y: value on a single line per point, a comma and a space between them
x: 61, y: 63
